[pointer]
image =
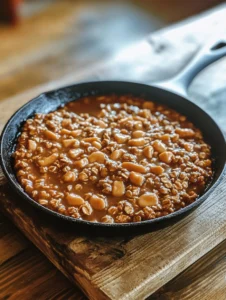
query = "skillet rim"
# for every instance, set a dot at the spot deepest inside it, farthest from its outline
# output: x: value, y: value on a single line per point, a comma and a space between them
x: 17, y: 187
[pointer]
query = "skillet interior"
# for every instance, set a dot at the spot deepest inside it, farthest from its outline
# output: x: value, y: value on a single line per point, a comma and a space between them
x: 50, y: 101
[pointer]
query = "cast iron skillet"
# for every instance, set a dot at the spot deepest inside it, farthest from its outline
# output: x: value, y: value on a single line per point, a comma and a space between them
x: 171, y: 93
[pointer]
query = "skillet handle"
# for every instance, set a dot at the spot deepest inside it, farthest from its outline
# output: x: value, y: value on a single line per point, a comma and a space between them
x: 208, y: 54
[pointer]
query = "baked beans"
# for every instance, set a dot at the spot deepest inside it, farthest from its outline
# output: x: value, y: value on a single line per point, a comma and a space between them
x: 112, y: 159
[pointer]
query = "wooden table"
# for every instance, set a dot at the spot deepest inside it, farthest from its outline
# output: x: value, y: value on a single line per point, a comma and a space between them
x: 48, y: 62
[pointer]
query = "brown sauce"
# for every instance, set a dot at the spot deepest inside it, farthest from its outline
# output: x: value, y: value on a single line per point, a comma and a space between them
x: 112, y: 159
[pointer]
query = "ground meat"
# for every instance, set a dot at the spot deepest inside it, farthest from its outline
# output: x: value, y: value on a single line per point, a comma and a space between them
x: 112, y: 159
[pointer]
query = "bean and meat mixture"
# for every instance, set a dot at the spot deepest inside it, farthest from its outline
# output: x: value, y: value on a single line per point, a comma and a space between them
x: 112, y: 159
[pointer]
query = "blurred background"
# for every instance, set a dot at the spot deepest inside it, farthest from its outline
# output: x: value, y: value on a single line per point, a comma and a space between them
x: 164, y: 11
x: 42, y: 40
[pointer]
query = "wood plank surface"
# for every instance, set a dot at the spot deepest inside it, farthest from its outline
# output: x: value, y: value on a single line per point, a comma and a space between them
x: 10, y: 239
x: 203, y: 280
x: 66, y: 37
x: 106, y: 268
x: 120, y: 268
x: 22, y: 276
x: 25, y: 273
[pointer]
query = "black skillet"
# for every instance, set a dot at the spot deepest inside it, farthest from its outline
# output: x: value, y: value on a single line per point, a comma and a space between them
x: 171, y: 93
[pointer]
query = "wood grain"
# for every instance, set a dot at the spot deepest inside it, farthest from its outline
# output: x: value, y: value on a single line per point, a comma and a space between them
x: 119, y: 268
x: 22, y: 276
x: 79, y: 36
x: 12, y: 241
x: 203, y: 280
x: 19, y: 258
